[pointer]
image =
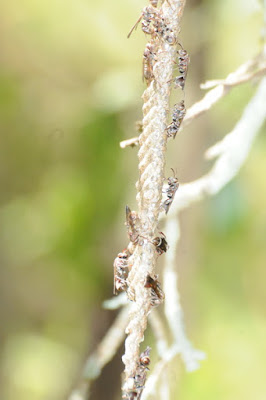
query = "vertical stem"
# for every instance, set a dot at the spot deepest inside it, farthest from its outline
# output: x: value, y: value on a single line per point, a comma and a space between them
x: 151, y: 175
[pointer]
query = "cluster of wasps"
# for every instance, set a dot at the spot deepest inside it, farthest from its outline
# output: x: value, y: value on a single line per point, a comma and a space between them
x: 122, y: 261
x: 170, y: 191
x: 140, y: 376
x: 179, y: 109
x: 155, y: 24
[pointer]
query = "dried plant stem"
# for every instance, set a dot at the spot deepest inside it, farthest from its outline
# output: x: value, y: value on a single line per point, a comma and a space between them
x: 151, y: 175
x: 133, y: 142
x: 173, y: 309
x: 159, y: 368
x: 164, y: 387
x: 235, y: 78
x: 232, y: 151
x: 103, y: 354
x: 159, y: 332
x: 116, y: 302
x: 243, y: 74
x: 247, y: 71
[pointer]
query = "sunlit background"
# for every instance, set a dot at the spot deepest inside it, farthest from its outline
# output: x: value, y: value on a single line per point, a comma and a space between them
x: 70, y: 90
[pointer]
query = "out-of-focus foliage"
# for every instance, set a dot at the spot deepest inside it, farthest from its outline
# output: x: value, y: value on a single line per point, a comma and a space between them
x: 70, y: 87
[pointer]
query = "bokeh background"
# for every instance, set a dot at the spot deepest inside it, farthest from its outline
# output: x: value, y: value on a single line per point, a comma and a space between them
x: 70, y: 87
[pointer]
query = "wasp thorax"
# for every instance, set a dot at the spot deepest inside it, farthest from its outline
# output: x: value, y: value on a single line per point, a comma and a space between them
x: 145, y: 360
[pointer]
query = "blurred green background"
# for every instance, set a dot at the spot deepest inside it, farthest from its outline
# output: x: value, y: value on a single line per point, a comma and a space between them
x: 70, y: 87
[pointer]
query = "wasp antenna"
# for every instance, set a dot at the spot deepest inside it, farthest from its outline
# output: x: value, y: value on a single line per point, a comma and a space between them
x: 134, y: 27
x: 174, y: 172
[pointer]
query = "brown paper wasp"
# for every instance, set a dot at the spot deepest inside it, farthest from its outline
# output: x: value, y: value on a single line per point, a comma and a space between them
x: 173, y: 185
x: 144, y: 358
x: 157, y: 295
x: 178, y: 115
x: 120, y: 272
x: 182, y: 64
x: 160, y: 243
x: 149, y: 57
x: 133, y: 225
x: 139, y: 378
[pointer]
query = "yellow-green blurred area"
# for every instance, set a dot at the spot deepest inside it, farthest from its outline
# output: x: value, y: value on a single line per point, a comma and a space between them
x: 70, y: 90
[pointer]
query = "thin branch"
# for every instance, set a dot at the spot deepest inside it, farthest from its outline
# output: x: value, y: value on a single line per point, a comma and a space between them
x: 242, y: 75
x: 164, y: 387
x: 150, y: 387
x: 102, y: 355
x: 159, y: 332
x: 235, y: 78
x: 133, y: 142
x: 232, y: 151
x: 162, y: 346
x: 116, y: 302
x: 174, y: 315
x: 246, y: 72
x: 172, y: 305
x: 155, y: 321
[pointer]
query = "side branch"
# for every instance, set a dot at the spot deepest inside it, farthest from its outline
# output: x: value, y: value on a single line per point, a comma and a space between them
x: 232, y: 151
x: 246, y: 72
x: 103, y: 354
x: 236, y: 78
x: 172, y: 306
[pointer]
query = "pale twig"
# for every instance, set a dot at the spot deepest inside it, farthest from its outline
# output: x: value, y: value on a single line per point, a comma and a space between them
x: 150, y: 387
x: 214, y: 95
x: 174, y: 315
x: 246, y: 72
x: 133, y: 142
x: 172, y: 305
x: 151, y: 175
x: 164, y: 386
x: 232, y: 151
x: 104, y: 353
x: 238, y: 77
x: 233, y: 80
x: 155, y: 321
x: 158, y: 330
x: 115, y: 302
